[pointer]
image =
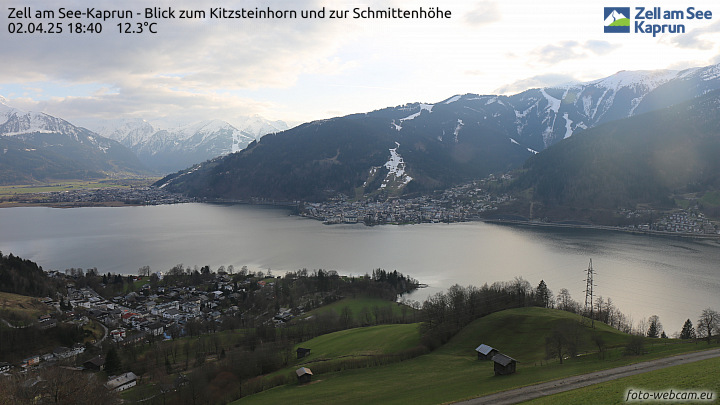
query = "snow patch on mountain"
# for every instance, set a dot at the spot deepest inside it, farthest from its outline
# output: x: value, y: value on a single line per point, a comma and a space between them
x: 452, y: 99
x: 427, y: 107
x: 553, y: 103
x: 457, y: 129
x: 568, y: 126
x: 396, y: 170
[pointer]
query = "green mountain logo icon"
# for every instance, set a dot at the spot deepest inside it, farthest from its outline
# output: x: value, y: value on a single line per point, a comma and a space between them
x: 616, y: 19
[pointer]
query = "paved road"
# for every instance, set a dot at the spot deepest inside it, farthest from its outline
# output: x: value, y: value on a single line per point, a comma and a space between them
x: 579, y: 381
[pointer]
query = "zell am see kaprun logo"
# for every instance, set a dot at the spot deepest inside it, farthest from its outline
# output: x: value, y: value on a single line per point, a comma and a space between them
x: 651, y: 20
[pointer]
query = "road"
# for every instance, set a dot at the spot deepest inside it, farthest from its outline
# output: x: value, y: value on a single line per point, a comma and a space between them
x: 579, y: 381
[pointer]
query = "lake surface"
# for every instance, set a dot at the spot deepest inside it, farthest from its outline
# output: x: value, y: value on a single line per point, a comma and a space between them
x: 644, y: 275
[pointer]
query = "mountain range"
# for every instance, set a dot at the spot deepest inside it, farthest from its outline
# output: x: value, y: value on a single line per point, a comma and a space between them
x: 168, y: 149
x: 648, y: 159
x: 37, y: 147
x: 421, y: 147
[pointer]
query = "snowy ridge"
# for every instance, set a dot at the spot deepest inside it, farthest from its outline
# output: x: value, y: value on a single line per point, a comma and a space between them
x: 427, y: 107
x: 647, y: 80
x: 128, y: 131
x: 452, y: 99
x: 257, y: 126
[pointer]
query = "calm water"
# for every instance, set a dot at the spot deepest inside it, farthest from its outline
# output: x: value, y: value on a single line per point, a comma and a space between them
x: 644, y: 275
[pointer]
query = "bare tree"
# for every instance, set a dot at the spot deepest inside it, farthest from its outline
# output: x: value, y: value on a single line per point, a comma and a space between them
x: 708, y: 322
x: 655, y: 327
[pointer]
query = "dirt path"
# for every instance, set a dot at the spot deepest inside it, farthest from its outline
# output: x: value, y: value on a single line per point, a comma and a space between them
x: 579, y: 381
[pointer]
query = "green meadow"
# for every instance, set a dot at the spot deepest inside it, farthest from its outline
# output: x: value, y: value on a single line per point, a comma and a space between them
x: 452, y: 372
x: 700, y: 376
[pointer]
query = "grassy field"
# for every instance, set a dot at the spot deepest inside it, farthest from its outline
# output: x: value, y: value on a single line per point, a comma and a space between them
x: 453, y: 373
x: 382, y: 339
x: 700, y: 376
x: 360, y: 305
x: 711, y: 198
x: 23, y: 306
x: 35, y: 190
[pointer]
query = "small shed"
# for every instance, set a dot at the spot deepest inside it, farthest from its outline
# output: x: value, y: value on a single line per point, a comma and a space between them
x: 304, y: 375
x: 302, y: 352
x: 485, y: 352
x: 504, y: 364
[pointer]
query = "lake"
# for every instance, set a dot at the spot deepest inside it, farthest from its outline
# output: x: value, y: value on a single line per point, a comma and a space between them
x: 644, y: 275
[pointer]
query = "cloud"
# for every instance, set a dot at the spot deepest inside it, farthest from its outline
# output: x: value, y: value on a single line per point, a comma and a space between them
x: 557, y: 53
x: 697, y: 38
x: 599, y: 47
x: 186, y: 64
x: 566, y: 50
x: 146, y: 102
x: 483, y: 13
x: 545, y: 80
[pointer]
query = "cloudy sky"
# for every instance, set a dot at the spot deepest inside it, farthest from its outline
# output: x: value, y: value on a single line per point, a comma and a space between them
x: 300, y: 70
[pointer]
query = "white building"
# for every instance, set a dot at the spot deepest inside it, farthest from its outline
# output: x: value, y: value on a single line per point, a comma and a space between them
x: 121, y: 382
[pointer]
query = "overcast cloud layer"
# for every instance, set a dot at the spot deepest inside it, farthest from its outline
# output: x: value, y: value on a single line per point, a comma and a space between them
x: 301, y: 70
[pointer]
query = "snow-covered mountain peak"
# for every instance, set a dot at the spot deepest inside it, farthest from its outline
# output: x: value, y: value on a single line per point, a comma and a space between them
x: 647, y: 79
x: 258, y: 126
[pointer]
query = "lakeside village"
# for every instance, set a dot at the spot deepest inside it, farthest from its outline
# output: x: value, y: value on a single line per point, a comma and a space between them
x: 154, y: 312
x: 472, y: 202
x: 129, y: 311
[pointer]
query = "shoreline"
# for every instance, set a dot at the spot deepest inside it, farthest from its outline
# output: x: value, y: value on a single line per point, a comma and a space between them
x: 600, y: 227
x: 514, y: 222
x: 10, y: 204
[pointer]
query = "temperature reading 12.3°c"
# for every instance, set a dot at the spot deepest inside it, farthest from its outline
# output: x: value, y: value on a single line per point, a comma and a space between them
x: 137, y: 28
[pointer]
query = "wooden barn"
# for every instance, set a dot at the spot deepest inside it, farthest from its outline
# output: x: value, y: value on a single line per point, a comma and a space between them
x: 302, y: 352
x: 485, y: 352
x: 97, y: 363
x: 304, y: 375
x: 504, y: 364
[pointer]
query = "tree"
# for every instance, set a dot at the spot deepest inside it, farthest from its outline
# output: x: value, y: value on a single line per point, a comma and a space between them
x: 655, y: 327
x: 112, y: 362
x: 600, y: 343
x: 346, y: 317
x: 636, y: 345
x: 709, y: 321
x: 562, y: 341
x: 687, y: 332
x: 144, y: 271
x: 543, y: 295
x: 565, y: 301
